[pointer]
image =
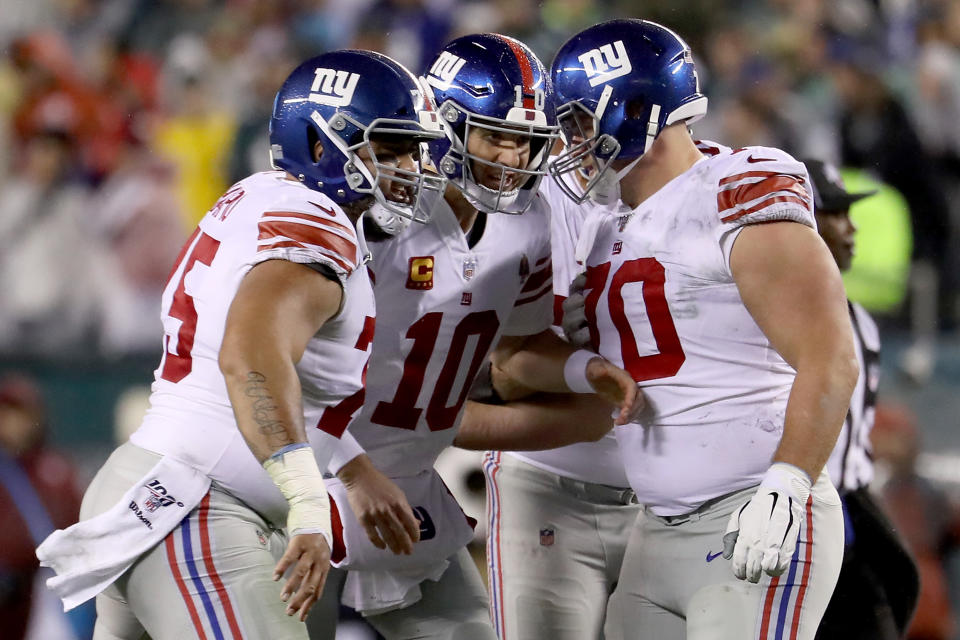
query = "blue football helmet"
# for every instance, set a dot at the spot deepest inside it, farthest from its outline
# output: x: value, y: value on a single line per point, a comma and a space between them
x: 494, y: 86
x: 618, y: 84
x: 343, y: 99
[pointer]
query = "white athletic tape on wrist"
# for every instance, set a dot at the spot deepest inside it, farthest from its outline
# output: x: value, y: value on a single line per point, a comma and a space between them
x: 296, y: 474
x: 575, y: 371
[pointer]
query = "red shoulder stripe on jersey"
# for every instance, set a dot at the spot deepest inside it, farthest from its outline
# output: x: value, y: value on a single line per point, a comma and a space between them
x: 763, y: 205
x: 558, y: 310
x: 536, y: 296
x: 703, y: 147
x: 750, y: 191
x: 284, y: 244
x: 749, y: 174
x: 526, y: 71
x: 537, y: 278
x: 541, y: 261
x: 306, y: 236
x: 308, y: 217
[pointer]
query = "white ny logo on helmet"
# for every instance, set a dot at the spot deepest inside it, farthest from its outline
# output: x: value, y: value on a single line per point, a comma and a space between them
x: 333, y: 88
x: 605, y: 63
x: 444, y: 70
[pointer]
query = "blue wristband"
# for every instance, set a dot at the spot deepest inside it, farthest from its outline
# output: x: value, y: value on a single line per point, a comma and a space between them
x: 288, y: 448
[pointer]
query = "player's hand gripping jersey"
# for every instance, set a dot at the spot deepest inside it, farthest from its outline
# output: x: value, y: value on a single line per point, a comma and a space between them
x: 716, y: 390
x: 263, y: 217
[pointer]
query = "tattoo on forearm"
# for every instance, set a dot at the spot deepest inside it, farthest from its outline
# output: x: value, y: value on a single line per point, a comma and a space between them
x: 264, y: 411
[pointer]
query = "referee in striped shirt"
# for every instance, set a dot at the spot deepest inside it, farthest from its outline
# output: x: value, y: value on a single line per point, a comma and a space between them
x: 877, y: 590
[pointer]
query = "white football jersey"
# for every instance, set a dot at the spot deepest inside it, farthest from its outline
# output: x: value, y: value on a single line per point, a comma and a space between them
x: 662, y: 303
x: 264, y: 217
x: 444, y: 307
x: 597, y: 462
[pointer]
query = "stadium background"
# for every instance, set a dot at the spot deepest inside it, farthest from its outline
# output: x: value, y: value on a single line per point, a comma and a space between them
x: 121, y: 121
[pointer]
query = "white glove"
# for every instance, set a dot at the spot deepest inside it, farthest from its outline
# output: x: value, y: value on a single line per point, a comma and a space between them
x: 762, y: 534
x: 574, y: 321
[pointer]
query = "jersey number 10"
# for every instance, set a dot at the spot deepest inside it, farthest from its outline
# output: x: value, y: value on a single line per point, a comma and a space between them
x: 402, y: 412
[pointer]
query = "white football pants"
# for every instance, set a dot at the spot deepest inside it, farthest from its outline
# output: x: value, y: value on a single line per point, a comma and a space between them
x: 210, y: 578
x: 675, y: 584
x: 554, y: 550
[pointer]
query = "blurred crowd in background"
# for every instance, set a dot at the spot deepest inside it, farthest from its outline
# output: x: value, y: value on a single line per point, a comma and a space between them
x: 122, y: 121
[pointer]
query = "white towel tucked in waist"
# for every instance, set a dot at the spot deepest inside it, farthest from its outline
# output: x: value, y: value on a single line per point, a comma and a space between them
x: 91, y: 554
x: 373, y: 592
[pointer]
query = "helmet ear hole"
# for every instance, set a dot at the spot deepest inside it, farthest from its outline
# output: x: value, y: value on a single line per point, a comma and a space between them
x: 313, y: 142
x: 634, y: 109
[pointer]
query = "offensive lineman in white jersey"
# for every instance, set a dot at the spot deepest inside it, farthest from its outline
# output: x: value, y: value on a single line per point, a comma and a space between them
x: 269, y: 316
x: 714, y: 290
x: 475, y: 280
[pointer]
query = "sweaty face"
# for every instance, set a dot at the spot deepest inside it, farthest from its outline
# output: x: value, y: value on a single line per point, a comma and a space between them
x: 490, y: 146
x: 838, y: 230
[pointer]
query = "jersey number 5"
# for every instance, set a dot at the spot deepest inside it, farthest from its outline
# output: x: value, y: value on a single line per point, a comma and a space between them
x: 650, y: 273
x: 177, y: 361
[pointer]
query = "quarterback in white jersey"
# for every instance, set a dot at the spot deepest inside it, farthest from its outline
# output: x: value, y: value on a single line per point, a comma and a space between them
x: 715, y: 292
x: 268, y: 318
x: 475, y: 280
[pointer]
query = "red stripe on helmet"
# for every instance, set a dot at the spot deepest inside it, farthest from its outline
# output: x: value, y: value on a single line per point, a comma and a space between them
x: 526, y: 70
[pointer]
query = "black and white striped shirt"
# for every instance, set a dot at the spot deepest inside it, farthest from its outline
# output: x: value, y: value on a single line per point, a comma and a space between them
x: 851, y: 462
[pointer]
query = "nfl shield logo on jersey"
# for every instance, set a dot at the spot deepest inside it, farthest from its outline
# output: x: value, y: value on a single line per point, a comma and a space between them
x: 158, y: 497
x: 546, y: 537
x: 524, y: 267
x: 469, y: 268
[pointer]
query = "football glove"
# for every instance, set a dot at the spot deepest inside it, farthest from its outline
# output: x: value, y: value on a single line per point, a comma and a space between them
x: 761, y: 535
x: 574, y: 321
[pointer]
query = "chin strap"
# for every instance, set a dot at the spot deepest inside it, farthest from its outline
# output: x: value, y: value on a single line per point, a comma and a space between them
x: 607, y: 189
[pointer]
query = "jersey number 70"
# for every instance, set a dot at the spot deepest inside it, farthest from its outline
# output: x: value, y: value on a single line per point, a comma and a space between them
x: 650, y: 273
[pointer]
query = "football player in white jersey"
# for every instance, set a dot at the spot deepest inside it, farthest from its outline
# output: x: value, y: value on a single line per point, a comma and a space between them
x: 559, y: 519
x: 268, y: 316
x: 475, y: 280
x: 714, y: 290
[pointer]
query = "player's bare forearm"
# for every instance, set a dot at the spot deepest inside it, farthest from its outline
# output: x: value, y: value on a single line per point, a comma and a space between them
x: 818, y: 403
x: 543, y: 421
x: 534, y: 361
x: 267, y: 408
x: 277, y: 309
x: 792, y: 288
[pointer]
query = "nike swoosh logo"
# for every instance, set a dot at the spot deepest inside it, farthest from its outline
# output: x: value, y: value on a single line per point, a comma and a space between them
x: 327, y: 211
x: 713, y: 556
x: 752, y: 159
